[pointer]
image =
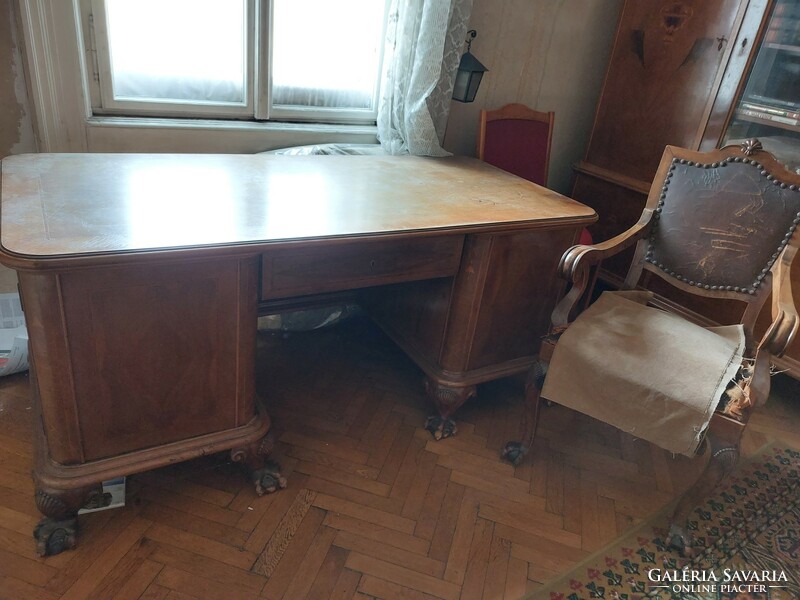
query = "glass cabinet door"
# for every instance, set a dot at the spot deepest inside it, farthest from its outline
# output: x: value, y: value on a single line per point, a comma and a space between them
x: 769, y: 107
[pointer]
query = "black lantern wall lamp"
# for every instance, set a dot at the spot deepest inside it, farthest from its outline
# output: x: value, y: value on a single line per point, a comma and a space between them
x: 469, y: 75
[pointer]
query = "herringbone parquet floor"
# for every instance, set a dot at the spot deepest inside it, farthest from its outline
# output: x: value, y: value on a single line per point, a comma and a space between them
x: 374, y: 508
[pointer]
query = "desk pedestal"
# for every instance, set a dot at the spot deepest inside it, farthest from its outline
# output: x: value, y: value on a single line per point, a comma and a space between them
x: 136, y: 366
x: 482, y: 324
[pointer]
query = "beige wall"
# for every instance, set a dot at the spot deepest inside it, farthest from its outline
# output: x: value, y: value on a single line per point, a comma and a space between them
x: 16, y: 130
x: 548, y: 54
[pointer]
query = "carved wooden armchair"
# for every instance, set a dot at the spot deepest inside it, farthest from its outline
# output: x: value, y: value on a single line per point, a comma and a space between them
x: 721, y: 225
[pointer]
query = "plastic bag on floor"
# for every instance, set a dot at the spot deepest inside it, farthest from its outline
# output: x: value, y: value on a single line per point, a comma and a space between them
x: 13, y: 336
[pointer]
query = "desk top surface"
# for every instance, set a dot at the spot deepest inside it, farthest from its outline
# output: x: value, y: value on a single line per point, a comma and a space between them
x: 60, y: 205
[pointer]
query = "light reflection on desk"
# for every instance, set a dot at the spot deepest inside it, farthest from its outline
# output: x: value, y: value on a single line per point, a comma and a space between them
x: 179, y: 204
x: 300, y: 207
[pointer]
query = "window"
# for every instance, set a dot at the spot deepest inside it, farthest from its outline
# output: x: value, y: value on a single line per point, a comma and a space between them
x: 291, y: 60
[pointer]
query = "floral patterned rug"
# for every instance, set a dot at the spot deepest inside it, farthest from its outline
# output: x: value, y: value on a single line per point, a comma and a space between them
x: 748, y: 546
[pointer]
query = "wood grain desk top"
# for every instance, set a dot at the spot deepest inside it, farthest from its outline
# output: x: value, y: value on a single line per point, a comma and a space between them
x: 62, y: 205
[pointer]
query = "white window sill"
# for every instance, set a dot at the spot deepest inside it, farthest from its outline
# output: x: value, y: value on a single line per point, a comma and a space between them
x: 228, y: 125
x: 149, y: 134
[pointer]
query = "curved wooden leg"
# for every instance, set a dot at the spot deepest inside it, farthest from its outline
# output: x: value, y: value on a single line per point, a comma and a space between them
x: 723, y: 459
x: 58, y: 531
x: 515, y: 452
x: 265, y: 474
x: 448, y: 399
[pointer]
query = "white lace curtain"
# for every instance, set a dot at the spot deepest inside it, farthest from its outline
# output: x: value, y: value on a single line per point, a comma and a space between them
x: 424, y: 42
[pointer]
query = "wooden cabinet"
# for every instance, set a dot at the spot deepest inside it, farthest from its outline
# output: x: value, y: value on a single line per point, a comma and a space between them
x: 768, y: 106
x: 698, y: 74
x: 661, y: 77
x: 671, y: 70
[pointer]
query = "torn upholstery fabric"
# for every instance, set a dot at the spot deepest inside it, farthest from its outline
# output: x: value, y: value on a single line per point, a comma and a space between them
x: 648, y: 372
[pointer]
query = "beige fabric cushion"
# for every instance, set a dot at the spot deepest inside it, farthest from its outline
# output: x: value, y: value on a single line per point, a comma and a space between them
x: 643, y: 370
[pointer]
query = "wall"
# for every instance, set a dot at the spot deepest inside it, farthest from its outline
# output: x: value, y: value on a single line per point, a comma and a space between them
x: 548, y: 54
x: 16, y: 129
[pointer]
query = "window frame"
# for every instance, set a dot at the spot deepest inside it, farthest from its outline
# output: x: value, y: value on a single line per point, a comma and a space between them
x: 266, y: 110
x: 104, y: 103
x: 258, y: 106
x: 58, y: 73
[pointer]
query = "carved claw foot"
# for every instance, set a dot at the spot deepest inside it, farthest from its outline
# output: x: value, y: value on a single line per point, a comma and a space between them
x: 54, y: 536
x: 58, y: 531
x: 265, y: 474
x: 447, y: 399
x: 514, y: 452
x: 441, y: 427
x: 268, y: 479
x: 681, y: 540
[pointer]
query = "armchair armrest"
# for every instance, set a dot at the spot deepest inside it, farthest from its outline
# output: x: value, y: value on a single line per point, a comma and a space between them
x: 577, y: 262
x: 779, y: 335
x: 785, y: 321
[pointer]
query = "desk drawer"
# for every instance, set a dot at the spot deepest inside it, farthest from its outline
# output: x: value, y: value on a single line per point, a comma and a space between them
x: 301, y: 270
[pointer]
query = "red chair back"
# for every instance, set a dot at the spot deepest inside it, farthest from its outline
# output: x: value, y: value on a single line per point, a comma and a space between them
x: 517, y: 139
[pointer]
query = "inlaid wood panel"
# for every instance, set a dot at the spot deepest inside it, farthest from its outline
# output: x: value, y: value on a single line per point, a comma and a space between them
x: 521, y: 280
x: 662, y: 76
x: 178, y: 361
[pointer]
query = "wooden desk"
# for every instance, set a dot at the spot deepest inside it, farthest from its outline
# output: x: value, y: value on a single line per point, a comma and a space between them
x: 141, y: 278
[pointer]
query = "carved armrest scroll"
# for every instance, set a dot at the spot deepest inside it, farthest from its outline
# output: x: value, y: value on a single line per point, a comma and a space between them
x: 577, y: 262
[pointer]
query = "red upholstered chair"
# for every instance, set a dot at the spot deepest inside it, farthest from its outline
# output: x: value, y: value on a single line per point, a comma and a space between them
x: 517, y: 139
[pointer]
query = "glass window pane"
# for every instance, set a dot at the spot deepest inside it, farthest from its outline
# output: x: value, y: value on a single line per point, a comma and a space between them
x: 178, y: 50
x: 325, y: 54
x: 769, y: 108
